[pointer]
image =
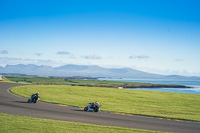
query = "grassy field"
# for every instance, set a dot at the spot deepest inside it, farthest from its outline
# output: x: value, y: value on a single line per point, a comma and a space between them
x: 23, y: 124
x: 91, y: 83
x: 159, y: 104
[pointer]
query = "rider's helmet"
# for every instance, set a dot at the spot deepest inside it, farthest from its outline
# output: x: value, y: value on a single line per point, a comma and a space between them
x: 37, y: 93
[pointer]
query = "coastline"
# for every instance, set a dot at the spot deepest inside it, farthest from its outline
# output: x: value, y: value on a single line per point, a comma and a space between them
x: 159, y: 86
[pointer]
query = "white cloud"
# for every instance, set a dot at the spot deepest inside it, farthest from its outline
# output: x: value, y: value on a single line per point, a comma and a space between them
x: 182, y: 72
x: 13, y: 61
x: 3, y: 52
x: 72, y: 57
x: 63, y: 53
x: 139, y: 57
x: 179, y: 60
x: 94, y: 57
x: 38, y: 54
x: 49, y: 62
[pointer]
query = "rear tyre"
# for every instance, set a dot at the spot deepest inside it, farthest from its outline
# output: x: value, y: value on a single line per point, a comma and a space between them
x: 96, y: 109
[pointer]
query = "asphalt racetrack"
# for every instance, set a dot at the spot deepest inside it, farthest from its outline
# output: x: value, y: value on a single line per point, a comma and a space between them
x: 12, y: 104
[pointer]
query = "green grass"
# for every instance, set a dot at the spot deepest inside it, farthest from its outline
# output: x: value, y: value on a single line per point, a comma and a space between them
x: 23, y: 124
x: 150, y: 103
x: 91, y: 83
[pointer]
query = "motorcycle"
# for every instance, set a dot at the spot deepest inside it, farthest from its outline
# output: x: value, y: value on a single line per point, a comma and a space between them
x: 33, y: 99
x: 92, y: 107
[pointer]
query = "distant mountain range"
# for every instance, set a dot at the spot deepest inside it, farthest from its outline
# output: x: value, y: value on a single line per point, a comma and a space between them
x: 84, y: 70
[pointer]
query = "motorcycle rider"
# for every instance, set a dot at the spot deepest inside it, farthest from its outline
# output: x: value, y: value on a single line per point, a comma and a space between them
x: 97, y: 104
x: 90, y: 106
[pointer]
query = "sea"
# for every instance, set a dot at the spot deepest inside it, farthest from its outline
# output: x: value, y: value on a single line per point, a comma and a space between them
x: 195, y: 84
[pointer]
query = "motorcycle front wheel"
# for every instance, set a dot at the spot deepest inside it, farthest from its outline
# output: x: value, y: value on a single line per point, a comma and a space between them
x: 34, y: 100
x: 29, y: 100
x: 86, y: 108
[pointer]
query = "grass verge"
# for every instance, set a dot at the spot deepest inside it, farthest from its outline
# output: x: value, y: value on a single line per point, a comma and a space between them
x: 150, y: 103
x: 24, y: 124
x: 91, y: 83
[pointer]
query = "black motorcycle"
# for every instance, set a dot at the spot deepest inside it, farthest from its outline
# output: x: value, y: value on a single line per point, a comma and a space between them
x: 33, y: 99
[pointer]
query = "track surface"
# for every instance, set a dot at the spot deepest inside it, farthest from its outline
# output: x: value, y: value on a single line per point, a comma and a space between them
x: 12, y: 104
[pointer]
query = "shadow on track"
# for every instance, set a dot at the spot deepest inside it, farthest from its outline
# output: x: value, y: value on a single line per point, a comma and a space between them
x: 78, y: 110
x: 20, y: 101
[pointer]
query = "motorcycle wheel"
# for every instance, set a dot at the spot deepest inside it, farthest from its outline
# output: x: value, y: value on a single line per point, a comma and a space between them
x: 35, y: 101
x: 29, y: 100
x: 96, y: 110
x: 86, y: 108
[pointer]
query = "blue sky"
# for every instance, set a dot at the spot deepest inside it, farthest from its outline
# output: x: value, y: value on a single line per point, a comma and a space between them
x: 157, y: 36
